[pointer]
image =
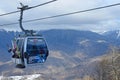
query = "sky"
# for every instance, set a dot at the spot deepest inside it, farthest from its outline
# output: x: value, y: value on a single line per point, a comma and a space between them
x: 98, y: 21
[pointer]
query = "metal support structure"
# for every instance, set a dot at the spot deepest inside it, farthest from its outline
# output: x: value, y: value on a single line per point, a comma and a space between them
x: 21, y: 17
x: 22, y: 9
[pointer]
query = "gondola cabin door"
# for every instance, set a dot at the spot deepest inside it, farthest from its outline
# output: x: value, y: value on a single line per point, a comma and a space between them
x: 35, y: 50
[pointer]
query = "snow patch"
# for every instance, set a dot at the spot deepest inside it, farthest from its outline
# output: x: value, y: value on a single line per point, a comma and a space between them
x: 25, y: 77
x: 101, y: 41
x: 1, y: 77
x: 84, y: 41
x: 16, y: 77
x: 118, y: 34
x: 31, y: 77
x: 2, y: 30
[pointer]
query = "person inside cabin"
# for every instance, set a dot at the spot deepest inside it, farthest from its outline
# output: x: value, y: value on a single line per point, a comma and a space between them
x: 43, y: 54
x: 15, y: 50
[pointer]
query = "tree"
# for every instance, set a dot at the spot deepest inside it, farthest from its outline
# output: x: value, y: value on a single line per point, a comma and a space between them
x: 109, y: 67
x: 87, y: 78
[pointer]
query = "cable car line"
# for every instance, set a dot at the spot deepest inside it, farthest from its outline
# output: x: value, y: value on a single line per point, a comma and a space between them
x: 9, y: 13
x: 28, y: 8
x: 66, y: 14
x: 41, y: 4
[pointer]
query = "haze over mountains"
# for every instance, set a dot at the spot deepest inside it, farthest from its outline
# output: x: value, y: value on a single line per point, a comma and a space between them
x: 70, y: 50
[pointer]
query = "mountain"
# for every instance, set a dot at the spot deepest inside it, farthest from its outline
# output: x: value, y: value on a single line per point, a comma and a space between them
x: 72, y: 41
x: 70, y: 51
x: 68, y: 41
x: 113, y: 37
x: 5, y: 39
x: 112, y: 34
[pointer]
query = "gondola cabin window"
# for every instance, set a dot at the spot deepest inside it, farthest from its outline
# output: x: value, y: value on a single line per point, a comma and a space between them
x: 37, y: 50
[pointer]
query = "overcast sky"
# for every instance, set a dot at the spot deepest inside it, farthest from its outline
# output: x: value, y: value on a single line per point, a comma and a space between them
x: 99, y: 20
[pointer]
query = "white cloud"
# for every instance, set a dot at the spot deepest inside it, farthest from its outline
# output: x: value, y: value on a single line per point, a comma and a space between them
x: 99, y: 20
x: 1, y: 11
x: 24, y: 1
